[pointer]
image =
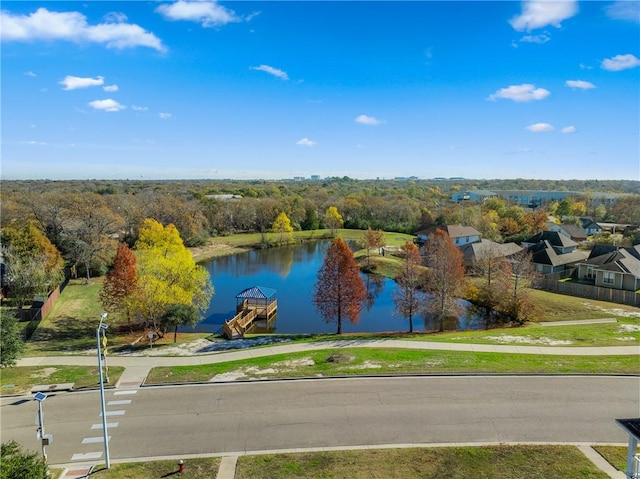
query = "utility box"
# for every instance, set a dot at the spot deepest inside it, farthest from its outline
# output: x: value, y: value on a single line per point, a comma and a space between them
x: 47, y: 440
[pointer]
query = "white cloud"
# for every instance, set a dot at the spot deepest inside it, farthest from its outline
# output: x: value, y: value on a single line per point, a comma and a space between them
x: 72, y: 26
x: 106, y: 105
x: 620, y: 62
x: 139, y: 108
x: 582, y: 85
x: 164, y: 116
x: 567, y: 130
x: 367, y: 120
x: 520, y: 93
x: 272, y: 71
x: 624, y: 10
x: 71, y: 82
x: 540, y: 127
x: 30, y: 74
x: 306, y: 142
x: 110, y: 88
x: 542, y: 38
x: 208, y: 14
x: 540, y: 13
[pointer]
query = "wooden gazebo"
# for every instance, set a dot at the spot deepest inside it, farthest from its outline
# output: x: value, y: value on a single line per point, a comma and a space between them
x: 252, y: 304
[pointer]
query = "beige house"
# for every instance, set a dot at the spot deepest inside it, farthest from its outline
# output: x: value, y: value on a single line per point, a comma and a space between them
x: 618, y: 269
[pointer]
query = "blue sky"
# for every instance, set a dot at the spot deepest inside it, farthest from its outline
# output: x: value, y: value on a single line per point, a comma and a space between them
x: 161, y: 90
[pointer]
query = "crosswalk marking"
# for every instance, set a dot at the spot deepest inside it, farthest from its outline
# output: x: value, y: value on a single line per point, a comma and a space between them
x: 121, y: 402
x: 124, y: 392
x: 88, y: 455
x: 93, y: 440
x: 110, y: 425
x: 114, y: 413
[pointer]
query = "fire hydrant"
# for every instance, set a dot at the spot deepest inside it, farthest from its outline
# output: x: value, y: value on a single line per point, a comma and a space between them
x: 180, y: 465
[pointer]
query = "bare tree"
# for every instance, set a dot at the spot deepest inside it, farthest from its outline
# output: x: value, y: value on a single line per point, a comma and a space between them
x: 408, y: 299
x: 445, y: 276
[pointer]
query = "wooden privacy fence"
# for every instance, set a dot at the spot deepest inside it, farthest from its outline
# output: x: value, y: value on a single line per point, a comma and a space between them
x: 37, y: 314
x: 589, y: 291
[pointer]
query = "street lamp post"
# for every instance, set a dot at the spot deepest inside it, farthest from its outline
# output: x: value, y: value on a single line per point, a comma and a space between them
x: 102, y: 326
x: 44, y: 439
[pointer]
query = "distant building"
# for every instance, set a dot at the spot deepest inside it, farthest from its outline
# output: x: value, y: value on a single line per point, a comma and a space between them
x: 315, y: 177
x: 531, y: 198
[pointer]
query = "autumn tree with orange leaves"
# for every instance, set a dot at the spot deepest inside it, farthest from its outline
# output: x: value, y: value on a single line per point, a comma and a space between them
x: 445, y: 276
x: 121, y: 283
x: 339, y: 291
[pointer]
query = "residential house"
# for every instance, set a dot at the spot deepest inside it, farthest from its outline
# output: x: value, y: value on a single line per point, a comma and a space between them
x: 471, y: 252
x: 570, y: 230
x: 617, y: 268
x: 460, y: 235
x: 552, y: 252
x: 590, y: 227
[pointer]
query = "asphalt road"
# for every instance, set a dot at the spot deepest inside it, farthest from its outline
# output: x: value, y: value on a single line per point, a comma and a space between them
x: 218, y: 418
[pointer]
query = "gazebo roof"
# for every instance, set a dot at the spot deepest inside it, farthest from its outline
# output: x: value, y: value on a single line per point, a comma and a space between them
x: 632, y: 426
x: 257, y: 292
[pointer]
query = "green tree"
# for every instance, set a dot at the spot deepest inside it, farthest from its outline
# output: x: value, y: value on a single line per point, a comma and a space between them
x: 333, y: 219
x: 167, y: 274
x: 176, y: 315
x: 310, y: 219
x: 407, y: 298
x: 445, y: 276
x: 18, y: 464
x: 339, y: 290
x: 11, y: 342
x: 282, y: 225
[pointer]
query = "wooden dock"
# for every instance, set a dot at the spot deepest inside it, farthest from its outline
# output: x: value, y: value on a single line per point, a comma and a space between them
x: 254, y: 304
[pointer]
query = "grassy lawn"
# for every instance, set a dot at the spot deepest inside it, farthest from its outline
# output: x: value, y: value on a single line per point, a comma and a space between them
x: 202, y: 468
x: 226, y: 245
x: 498, y: 462
x: 615, y: 455
x: 17, y: 380
x: 71, y: 325
x: 358, y: 361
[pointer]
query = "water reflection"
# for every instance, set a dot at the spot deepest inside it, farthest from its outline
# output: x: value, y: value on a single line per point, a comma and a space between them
x: 292, y: 270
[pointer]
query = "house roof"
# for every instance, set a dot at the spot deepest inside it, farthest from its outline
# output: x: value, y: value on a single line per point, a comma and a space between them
x: 602, y: 249
x: 472, y: 251
x: 454, y: 231
x: 553, y: 237
x: 573, y: 230
x: 620, y: 261
x: 257, y: 292
x: 587, y: 222
x: 543, y: 253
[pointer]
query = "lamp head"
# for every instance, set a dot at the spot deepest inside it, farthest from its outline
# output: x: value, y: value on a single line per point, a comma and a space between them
x: 40, y: 396
x: 103, y: 326
x: 103, y: 315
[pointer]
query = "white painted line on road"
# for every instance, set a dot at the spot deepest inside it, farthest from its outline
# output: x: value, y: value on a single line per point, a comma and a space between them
x: 88, y: 455
x: 94, y: 440
x: 127, y: 391
x: 121, y: 402
x: 110, y: 425
x: 114, y: 413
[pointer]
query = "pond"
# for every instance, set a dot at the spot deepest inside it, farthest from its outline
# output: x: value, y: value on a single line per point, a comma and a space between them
x: 292, y: 271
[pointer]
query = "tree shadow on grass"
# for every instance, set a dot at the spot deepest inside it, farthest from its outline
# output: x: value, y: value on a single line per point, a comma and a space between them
x: 74, y: 333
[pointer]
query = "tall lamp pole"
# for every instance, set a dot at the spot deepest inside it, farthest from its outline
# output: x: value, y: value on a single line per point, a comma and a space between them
x: 102, y: 327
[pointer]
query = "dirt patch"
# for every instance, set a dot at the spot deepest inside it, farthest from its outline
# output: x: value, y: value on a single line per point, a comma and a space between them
x: 529, y: 340
x: 339, y: 358
x: 44, y: 373
x: 366, y: 365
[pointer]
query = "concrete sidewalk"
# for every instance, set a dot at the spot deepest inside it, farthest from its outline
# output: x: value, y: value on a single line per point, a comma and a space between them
x: 222, y: 357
